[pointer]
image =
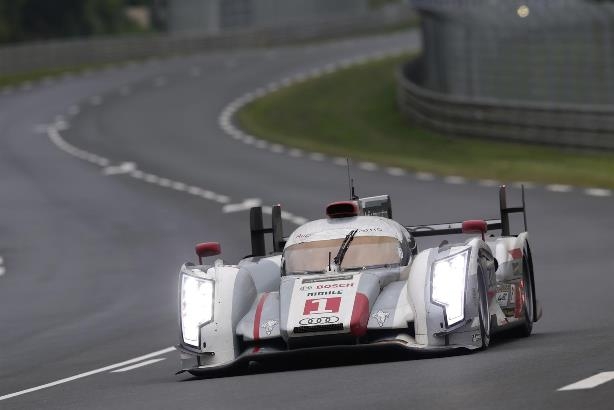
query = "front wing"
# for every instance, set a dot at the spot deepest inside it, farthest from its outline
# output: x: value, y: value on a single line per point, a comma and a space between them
x: 393, y: 349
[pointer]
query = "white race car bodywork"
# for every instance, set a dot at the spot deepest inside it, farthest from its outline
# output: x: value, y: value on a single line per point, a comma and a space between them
x: 443, y: 298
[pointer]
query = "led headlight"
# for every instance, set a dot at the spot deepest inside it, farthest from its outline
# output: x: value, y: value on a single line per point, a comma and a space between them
x: 196, y: 307
x: 448, y: 282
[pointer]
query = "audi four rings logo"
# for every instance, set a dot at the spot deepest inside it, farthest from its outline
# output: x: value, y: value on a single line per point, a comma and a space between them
x: 321, y: 320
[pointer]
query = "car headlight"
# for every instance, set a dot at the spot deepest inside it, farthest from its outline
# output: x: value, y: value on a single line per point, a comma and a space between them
x: 448, y: 280
x: 196, y: 307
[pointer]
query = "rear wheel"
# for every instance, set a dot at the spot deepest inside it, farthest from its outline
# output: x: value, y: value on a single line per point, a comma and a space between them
x: 527, y: 300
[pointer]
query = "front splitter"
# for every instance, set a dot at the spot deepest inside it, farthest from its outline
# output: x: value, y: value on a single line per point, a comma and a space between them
x: 322, y: 356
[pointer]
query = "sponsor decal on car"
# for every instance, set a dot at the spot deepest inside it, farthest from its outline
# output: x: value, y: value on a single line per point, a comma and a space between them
x: 325, y: 293
x: 505, y: 294
x: 269, y: 326
x: 476, y: 337
x: 308, y: 288
x: 335, y: 285
x: 381, y: 317
x: 328, y: 279
x: 371, y: 230
x: 516, y: 253
x: 318, y: 320
x: 321, y: 306
x: 503, y: 298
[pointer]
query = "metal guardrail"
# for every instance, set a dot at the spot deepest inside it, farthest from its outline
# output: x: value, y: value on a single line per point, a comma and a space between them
x: 71, y: 53
x: 533, y: 70
x: 571, y: 125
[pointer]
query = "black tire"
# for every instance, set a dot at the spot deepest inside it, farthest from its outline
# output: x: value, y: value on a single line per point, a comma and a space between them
x: 526, y: 328
x: 483, y: 314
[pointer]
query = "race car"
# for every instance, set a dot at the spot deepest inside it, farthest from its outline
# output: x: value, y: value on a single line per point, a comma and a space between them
x: 356, y: 280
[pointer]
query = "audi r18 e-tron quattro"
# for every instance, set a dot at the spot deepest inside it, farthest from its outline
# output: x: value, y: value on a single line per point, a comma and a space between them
x: 356, y: 280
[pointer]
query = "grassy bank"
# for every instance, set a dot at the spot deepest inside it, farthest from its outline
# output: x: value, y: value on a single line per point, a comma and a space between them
x: 353, y: 112
x: 17, y: 79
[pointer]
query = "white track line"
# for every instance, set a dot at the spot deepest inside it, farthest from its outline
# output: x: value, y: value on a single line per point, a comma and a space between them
x: 130, y: 168
x: 136, y: 366
x: 559, y: 188
x: 73, y: 110
x: 123, y: 168
x: 489, y: 182
x: 425, y: 176
x: 277, y: 148
x: 368, y: 166
x: 316, y: 156
x: 525, y: 184
x: 243, y: 206
x: 590, y: 382
x: 90, y: 373
x: 454, y: 180
x: 598, y: 192
x: 396, y: 172
x: 342, y: 162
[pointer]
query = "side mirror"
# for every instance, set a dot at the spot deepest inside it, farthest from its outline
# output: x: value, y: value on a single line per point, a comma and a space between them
x: 207, y: 249
x: 475, y: 226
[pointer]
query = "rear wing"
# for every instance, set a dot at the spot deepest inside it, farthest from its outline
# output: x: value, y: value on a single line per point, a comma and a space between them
x: 258, y: 231
x: 492, y: 224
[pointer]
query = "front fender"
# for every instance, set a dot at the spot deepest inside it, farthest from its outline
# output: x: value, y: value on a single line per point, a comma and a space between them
x: 430, y: 325
x: 234, y: 293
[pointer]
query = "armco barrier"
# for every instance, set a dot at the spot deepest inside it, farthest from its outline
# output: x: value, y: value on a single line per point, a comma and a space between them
x: 539, y: 71
x: 571, y: 125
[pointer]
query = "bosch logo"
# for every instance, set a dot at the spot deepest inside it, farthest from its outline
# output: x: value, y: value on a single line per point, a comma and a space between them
x: 306, y: 287
x: 321, y: 320
x: 335, y: 285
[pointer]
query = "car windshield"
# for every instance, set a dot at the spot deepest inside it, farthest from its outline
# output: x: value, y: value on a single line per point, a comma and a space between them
x: 364, y: 252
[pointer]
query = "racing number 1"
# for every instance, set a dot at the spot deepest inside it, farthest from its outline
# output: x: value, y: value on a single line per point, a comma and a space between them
x: 320, y: 306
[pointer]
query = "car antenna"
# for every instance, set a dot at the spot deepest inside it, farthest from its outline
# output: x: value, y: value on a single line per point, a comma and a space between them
x: 353, y: 195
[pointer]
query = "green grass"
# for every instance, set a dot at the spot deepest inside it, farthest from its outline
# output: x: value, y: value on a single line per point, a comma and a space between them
x: 36, y: 75
x: 353, y: 113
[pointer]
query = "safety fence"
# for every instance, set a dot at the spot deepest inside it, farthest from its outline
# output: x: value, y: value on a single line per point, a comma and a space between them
x: 572, y: 125
x: 71, y: 53
x: 534, y: 70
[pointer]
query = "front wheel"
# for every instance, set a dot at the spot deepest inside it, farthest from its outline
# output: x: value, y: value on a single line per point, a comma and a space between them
x: 484, y: 315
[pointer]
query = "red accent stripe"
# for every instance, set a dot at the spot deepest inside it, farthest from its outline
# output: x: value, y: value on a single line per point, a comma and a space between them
x: 516, y: 253
x: 519, y: 302
x: 258, y: 315
x: 360, y: 315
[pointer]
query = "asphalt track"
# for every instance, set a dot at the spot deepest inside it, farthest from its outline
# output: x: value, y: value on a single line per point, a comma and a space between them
x: 89, y: 253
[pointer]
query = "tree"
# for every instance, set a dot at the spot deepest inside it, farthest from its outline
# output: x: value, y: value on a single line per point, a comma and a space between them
x: 27, y: 20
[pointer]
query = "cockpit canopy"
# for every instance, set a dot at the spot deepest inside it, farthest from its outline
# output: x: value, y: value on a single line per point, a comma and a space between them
x: 364, y: 252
